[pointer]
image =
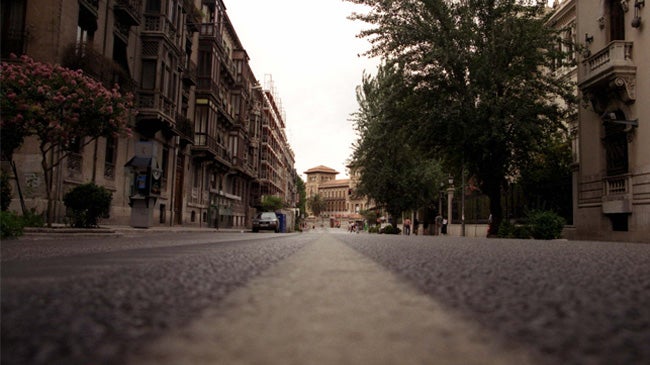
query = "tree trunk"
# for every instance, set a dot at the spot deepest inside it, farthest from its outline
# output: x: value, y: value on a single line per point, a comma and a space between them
x: 20, y: 192
x: 47, y: 176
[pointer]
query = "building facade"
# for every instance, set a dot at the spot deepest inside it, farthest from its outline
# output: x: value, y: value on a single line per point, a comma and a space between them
x: 203, y: 119
x: 613, y: 172
x: 341, y: 202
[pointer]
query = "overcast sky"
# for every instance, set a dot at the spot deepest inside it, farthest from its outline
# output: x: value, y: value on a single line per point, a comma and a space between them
x: 311, y: 51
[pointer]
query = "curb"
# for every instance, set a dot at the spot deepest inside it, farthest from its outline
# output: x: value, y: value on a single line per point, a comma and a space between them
x: 117, y: 231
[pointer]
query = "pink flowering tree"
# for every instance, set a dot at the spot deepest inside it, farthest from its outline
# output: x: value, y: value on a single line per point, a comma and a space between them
x: 59, y: 106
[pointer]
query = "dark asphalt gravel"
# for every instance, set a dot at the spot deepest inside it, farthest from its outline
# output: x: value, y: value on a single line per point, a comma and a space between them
x: 95, y: 308
x: 572, y: 302
x: 93, y: 300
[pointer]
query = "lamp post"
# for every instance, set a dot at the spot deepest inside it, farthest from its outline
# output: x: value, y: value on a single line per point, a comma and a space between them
x: 450, y: 198
x: 436, y: 224
x: 462, y: 203
x: 440, y: 196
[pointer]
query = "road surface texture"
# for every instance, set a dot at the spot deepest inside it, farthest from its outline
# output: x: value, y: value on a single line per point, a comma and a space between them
x: 573, y: 302
x: 323, y: 298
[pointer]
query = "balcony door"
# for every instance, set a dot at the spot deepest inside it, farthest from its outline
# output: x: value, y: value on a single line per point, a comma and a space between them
x: 615, y: 142
x: 616, y: 21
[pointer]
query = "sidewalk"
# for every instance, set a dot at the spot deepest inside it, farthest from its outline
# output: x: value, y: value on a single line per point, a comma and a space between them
x: 108, y: 229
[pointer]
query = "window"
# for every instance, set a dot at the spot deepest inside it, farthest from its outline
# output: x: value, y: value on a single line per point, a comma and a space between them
x: 74, y: 145
x: 570, y: 41
x: 81, y: 41
x: 197, y: 176
x: 615, y: 142
x: 13, y: 27
x: 201, y: 120
x: 148, y: 74
x: 119, y: 54
x: 171, y: 11
x: 110, y: 158
x: 205, y: 63
x: 111, y: 149
x: 616, y: 21
x: 153, y: 6
x: 86, y: 26
x: 166, y: 79
x: 165, y: 163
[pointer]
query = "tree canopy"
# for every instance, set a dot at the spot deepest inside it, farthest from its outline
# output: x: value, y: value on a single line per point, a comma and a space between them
x: 271, y: 203
x: 302, y: 193
x: 476, y: 74
x: 392, y: 173
x: 58, y: 105
x: 316, y: 204
x: 61, y: 107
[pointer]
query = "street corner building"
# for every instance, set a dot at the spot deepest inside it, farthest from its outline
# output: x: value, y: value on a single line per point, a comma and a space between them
x: 612, y: 174
x: 609, y: 64
x: 208, y: 138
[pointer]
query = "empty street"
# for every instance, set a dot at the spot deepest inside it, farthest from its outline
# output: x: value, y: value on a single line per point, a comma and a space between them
x: 322, y: 297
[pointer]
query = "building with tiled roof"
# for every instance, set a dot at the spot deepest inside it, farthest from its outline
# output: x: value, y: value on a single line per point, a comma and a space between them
x: 321, y: 169
x: 342, y: 204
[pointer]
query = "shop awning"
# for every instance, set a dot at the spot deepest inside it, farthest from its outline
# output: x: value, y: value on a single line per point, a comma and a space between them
x: 139, y: 162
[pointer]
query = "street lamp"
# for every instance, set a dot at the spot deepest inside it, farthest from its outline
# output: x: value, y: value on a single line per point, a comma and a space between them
x: 462, y: 203
x: 450, y: 198
x: 440, y: 196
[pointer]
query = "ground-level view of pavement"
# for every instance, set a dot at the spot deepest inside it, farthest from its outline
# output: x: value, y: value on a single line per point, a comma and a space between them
x: 328, y: 304
x: 325, y: 297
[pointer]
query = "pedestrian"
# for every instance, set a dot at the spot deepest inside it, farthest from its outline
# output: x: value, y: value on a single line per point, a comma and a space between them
x: 438, y: 225
x: 407, y: 226
x: 416, y: 225
x: 444, y: 226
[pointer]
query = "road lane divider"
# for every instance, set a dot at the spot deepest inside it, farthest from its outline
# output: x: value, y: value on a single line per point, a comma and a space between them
x: 328, y: 304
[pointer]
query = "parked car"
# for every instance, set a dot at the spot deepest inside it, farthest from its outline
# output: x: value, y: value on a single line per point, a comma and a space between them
x: 266, y: 220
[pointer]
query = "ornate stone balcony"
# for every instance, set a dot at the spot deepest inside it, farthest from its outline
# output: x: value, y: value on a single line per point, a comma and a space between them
x: 617, y: 196
x: 610, y: 69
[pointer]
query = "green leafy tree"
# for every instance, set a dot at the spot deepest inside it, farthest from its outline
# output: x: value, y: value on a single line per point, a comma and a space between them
x: 316, y: 204
x: 60, y: 107
x: 11, y: 225
x: 391, y: 172
x: 371, y: 216
x: 546, y: 178
x: 302, y: 193
x: 271, y: 203
x: 477, y: 71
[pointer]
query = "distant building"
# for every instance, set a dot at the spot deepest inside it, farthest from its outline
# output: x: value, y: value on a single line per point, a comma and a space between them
x: 341, y: 201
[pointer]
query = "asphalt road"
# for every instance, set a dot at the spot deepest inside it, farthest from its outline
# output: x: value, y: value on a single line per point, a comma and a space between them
x: 93, y: 300
x: 569, y: 302
x: 323, y: 299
